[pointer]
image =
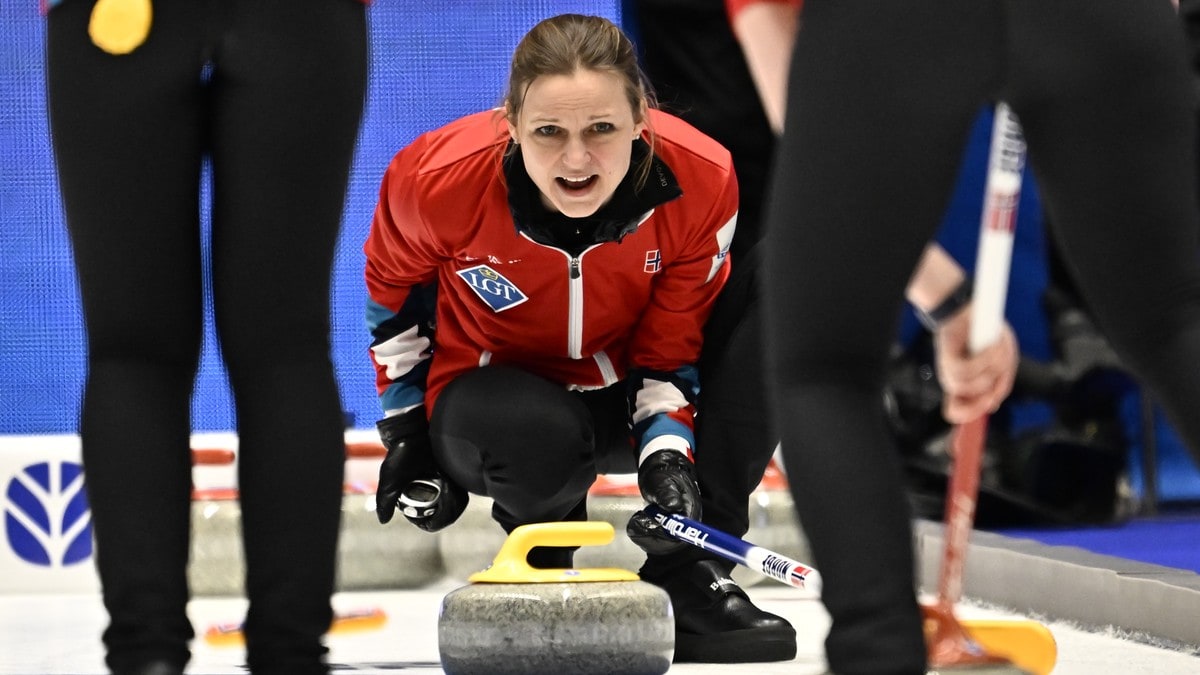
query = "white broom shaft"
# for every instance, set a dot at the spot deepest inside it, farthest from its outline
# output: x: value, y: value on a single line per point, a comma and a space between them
x: 993, y: 260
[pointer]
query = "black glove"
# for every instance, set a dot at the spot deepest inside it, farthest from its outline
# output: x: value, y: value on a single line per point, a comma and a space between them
x: 666, y: 478
x: 409, y: 477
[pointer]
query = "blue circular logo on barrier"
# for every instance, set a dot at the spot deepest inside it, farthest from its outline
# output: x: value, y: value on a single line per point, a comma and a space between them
x: 46, y: 515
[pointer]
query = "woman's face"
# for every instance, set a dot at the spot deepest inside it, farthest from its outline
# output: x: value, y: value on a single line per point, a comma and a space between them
x: 576, y: 133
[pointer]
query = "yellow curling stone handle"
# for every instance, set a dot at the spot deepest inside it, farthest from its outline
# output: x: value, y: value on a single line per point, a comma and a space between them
x: 511, y: 567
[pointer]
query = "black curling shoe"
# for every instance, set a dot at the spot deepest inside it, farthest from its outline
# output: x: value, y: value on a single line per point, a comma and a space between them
x: 715, y: 622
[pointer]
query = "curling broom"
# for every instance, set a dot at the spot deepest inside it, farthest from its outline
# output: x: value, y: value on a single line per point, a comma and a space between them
x: 1025, y: 643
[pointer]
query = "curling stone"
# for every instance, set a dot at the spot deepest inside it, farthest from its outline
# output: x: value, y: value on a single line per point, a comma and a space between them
x: 514, y: 619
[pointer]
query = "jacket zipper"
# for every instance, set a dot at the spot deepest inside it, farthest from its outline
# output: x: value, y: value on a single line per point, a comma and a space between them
x: 574, y: 297
x: 575, y: 307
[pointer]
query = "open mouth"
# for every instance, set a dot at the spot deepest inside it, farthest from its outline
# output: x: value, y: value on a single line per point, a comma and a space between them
x: 576, y: 184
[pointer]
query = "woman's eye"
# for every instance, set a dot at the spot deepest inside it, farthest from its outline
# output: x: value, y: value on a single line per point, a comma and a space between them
x: 546, y: 131
x: 603, y: 127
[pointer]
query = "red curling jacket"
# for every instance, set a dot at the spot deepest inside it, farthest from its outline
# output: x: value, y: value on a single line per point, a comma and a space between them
x: 451, y: 234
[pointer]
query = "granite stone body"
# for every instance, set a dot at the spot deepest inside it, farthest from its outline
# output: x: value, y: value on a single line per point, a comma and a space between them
x: 611, y: 628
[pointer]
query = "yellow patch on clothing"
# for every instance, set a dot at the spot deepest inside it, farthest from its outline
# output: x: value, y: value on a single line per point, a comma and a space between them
x: 120, y: 26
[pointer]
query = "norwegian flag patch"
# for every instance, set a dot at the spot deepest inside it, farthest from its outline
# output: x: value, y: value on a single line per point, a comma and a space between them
x: 653, y: 261
x: 492, y: 287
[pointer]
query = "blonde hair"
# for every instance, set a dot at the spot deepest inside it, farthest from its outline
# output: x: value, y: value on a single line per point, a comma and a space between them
x: 564, y: 44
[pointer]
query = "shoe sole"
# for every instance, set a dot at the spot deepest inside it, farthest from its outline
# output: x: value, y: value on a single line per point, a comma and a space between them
x: 739, y: 646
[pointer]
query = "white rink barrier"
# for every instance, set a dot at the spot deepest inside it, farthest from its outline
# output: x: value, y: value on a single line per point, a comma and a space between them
x: 47, y: 544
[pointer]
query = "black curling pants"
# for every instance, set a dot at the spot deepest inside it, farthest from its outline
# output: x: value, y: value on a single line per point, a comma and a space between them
x: 881, y: 98
x: 530, y: 444
x: 271, y: 92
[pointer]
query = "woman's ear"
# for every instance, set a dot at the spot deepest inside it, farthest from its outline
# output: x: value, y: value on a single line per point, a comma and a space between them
x: 511, y: 122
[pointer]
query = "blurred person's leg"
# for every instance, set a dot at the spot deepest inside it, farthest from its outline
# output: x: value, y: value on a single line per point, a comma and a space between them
x: 881, y: 100
x: 287, y: 97
x: 127, y: 134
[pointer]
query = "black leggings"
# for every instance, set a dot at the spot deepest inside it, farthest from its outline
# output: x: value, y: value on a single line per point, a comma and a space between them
x: 881, y: 98
x: 271, y: 91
